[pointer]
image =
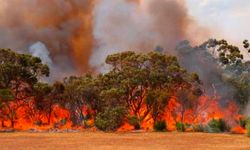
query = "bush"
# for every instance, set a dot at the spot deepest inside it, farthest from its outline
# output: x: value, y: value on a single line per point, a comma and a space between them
x: 180, y: 126
x: 198, y: 128
x: 216, y: 126
x: 248, y: 126
x: 134, y: 121
x: 242, y: 122
x: 111, y: 119
x: 160, y: 126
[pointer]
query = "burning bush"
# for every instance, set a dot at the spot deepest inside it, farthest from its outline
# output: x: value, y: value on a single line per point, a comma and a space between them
x: 160, y: 126
x: 111, y: 119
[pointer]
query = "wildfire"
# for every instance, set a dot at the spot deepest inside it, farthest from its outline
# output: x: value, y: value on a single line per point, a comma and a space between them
x: 206, y: 109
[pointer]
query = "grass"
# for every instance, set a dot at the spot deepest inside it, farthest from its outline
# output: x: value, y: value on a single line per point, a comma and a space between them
x: 121, y: 141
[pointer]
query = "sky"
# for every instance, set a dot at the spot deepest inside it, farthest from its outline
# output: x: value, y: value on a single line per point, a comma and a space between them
x: 226, y: 18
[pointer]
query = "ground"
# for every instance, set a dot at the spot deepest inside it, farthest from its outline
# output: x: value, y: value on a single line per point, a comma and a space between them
x: 122, y: 141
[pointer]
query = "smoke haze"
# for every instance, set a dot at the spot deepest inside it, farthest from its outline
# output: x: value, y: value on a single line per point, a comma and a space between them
x: 79, y: 34
x: 64, y: 26
x: 141, y: 25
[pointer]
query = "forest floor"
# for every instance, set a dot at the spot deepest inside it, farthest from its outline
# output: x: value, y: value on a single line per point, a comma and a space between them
x: 122, y: 141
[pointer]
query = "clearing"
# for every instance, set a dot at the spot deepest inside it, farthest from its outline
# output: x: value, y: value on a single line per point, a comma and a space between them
x: 122, y: 141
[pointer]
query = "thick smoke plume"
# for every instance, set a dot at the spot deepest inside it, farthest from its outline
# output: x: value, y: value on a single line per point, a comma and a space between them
x: 80, y: 33
x: 64, y: 26
x: 141, y: 25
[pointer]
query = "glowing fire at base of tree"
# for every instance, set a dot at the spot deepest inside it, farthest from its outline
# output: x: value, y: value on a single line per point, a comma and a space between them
x: 206, y: 110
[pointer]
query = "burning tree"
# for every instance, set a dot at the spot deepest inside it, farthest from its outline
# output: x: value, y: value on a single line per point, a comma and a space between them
x: 147, y: 81
x: 81, y: 94
x: 148, y: 90
x: 18, y: 74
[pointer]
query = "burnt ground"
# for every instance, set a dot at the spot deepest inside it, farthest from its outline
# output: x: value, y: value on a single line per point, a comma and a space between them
x: 122, y: 141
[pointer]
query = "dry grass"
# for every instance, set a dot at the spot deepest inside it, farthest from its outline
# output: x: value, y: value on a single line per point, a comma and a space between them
x: 122, y: 141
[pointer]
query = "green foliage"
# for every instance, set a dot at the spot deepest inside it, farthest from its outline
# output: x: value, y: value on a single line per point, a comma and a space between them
x: 217, y: 125
x: 180, y: 126
x: 160, y: 126
x: 111, y: 119
x: 247, y: 126
x: 242, y: 89
x: 134, y: 121
x: 145, y: 78
x: 134, y: 82
x: 243, y: 122
x: 198, y: 128
x: 228, y: 54
x: 5, y: 95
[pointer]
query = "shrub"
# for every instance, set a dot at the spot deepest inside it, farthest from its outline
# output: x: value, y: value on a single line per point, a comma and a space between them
x: 217, y: 125
x: 180, y: 126
x: 198, y: 128
x: 134, y: 121
x: 242, y: 122
x: 248, y: 126
x: 160, y: 126
x: 111, y: 119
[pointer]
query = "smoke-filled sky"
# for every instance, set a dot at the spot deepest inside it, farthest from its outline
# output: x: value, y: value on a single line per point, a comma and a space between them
x: 77, y: 35
x: 227, y: 18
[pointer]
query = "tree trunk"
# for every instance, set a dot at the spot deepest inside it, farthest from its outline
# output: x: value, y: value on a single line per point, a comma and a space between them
x: 2, y: 124
x: 12, y: 124
x: 49, y: 118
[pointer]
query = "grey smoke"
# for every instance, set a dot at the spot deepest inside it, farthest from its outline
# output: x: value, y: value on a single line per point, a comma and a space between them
x: 122, y: 25
x: 40, y: 50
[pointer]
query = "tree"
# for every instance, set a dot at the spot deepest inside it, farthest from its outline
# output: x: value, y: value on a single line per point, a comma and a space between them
x: 5, y: 95
x: 18, y: 73
x: 145, y: 81
x: 238, y: 69
x: 80, y: 92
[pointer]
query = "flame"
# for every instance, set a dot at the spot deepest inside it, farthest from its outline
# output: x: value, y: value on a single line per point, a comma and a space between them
x: 207, y: 109
x: 238, y: 130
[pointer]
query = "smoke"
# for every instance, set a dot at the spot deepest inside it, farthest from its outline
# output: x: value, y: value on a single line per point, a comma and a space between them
x: 121, y: 25
x: 247, y: 110
x: 64, y: 26
x: 202, y: 61
x: 38, y: 49
x: 79, y: 34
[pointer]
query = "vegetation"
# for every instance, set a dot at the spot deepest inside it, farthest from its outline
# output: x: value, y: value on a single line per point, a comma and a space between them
x: 111, y: 119
x: 217, y: 125
x: 137, y: 85
x: 180, y: 126
x: 134, y: 121
x: 160, y: 126
x: 247, y: 126
x: 236, y: 68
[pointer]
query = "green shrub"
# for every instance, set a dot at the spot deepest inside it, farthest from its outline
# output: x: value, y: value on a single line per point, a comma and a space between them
x: 134, y: 121
x: 111, y: 119
x: 160, y: 126
x: 248, y: 126
x: 180, y: 126
x: 198, y: 128
x: 242, y: 123
x: 217, y: 125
